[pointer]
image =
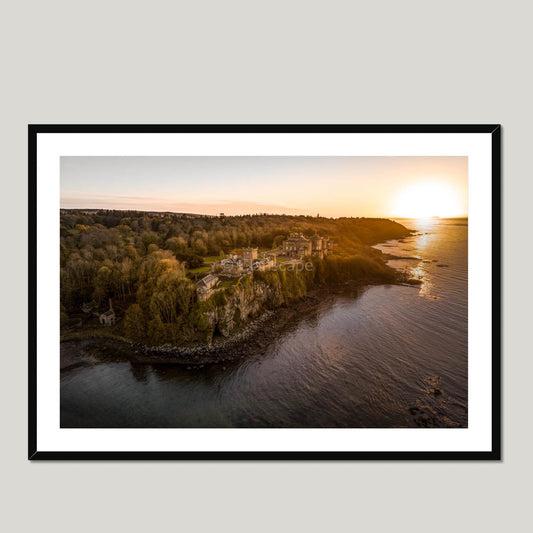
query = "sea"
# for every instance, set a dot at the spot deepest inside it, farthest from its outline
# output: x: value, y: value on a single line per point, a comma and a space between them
x: 394, y: 356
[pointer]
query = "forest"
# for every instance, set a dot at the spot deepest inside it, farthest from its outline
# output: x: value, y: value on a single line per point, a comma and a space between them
x: 147, y: 264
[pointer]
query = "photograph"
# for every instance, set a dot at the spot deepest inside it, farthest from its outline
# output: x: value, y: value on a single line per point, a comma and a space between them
x: 264, y: 291
x: 274, y: 281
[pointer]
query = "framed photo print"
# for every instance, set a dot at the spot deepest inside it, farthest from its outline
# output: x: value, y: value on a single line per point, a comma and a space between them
x: 264, y: 292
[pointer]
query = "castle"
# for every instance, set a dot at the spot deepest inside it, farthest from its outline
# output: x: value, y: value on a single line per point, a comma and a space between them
x: 249, y: 260
x: 298, y: 245
x: 293, y: 249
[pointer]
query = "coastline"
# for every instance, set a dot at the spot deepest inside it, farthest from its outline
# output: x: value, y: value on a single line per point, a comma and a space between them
x: 255, y: 337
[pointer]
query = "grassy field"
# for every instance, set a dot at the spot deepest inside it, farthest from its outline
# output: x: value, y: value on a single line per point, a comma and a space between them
x: 227, y: 283
x: 206, y: 266
x: 203, y: 268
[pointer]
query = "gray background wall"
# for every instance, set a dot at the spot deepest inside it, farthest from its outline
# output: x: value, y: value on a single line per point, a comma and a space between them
x: 266, y: 62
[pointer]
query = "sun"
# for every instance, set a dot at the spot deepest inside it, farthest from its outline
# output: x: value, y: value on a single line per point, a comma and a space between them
x: 427, y: 199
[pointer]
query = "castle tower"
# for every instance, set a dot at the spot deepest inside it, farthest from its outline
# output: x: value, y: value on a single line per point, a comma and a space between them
x: 249, y: 255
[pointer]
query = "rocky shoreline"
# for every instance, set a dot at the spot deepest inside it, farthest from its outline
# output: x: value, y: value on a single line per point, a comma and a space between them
x: 255, y: 337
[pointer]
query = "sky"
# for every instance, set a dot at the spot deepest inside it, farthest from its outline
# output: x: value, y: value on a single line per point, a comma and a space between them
x: 329, y: 186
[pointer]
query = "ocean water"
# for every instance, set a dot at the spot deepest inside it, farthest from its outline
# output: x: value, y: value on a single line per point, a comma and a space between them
x: 395, y: 356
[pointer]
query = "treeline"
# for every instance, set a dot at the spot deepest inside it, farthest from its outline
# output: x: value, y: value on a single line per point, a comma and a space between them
x: 207, y: 235
x: 142, y: 261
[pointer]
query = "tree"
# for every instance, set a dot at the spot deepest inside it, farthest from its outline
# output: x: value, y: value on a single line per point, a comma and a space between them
x: 172, y: 296
x: 102, y: 283
x: 134, y: 323
x: 129, y: 254
x: 199, y: 247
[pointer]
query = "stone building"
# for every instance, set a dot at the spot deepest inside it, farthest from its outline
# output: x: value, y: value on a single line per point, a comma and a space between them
x: 267, y: 261
x: 249, y: 255
x: 321, y: 246
x: 108, y: 318
x: 229, y: 267
x: 88, y: 307
x: 298, y: 245
x: 232, y: 266
x: 236, y: 265
x: 205, y: 287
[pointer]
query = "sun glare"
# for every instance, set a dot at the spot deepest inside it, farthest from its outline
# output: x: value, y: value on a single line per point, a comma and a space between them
x: 427, y: 200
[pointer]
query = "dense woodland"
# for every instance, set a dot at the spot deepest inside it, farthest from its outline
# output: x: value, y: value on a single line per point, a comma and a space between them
x: 147, y: 263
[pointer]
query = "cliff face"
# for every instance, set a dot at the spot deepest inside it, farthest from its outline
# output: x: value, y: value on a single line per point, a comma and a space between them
x: 243, y: 303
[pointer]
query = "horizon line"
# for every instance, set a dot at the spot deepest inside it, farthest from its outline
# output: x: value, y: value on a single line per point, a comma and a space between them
x: 263, y: 213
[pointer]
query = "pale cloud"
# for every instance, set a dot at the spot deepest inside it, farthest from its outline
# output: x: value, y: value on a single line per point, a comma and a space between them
x: 227, y: 207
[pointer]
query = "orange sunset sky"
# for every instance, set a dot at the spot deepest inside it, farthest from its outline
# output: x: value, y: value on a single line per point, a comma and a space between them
x: 331, y: 186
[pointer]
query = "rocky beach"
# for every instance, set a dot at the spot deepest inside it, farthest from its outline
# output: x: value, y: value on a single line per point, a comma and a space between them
x: 254, y: 337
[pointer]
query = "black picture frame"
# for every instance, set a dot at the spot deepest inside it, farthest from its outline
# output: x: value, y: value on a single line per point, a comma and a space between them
x: 494, y: 454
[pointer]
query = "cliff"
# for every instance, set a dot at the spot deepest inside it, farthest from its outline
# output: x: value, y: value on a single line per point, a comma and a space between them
x: 228, y: 310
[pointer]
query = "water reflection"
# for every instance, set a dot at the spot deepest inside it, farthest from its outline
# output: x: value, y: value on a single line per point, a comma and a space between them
x: 140, y: 372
